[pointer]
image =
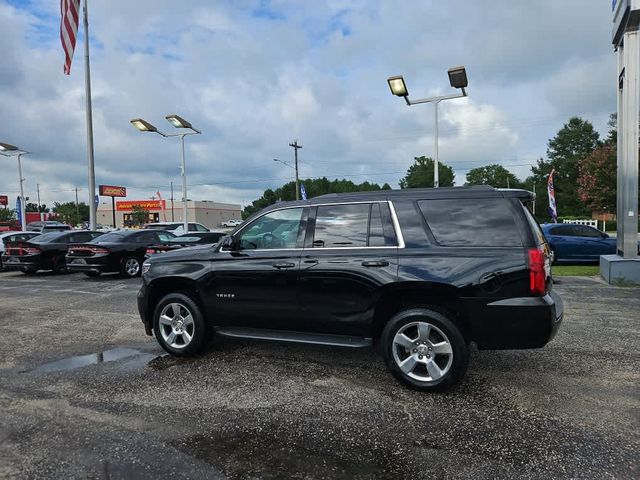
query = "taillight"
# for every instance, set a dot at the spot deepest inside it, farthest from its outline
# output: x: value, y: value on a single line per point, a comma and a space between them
x: 537, y: 271
x: 31, y: 250
x: 99, y: 250
x: 150, y: 251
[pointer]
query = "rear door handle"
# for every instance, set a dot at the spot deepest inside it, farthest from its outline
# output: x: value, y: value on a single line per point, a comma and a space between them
x: 282, y: 266
x: 375, y: 263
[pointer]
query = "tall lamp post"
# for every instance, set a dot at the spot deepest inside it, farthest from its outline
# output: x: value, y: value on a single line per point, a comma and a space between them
x: 457, y: 79
x: 12, y: 151
x: 177, y: 122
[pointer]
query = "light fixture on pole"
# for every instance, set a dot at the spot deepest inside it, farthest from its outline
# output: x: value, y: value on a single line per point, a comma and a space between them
x: 9, y: 150
x: 178, y: 122
x: 457, y: 79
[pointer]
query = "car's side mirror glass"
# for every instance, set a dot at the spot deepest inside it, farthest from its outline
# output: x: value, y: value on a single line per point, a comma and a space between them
x: 226, y: 243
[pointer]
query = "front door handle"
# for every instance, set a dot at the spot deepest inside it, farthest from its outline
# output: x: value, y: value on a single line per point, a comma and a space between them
x: 282, y: 266
x: 375, y: 263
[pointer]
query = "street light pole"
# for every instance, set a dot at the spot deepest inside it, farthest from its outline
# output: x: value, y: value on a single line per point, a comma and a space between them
x: 184, y: 188
x: 23, y: 206
x: 9, y: 150
x: 177, y: 122
x: 457, y: 79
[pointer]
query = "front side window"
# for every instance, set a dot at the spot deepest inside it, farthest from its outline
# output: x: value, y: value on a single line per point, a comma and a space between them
x: 274, y: 230
x: 585, y: 231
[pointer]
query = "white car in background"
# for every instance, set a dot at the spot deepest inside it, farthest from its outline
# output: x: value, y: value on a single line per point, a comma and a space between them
x: 12, y: 237
x: 231, y: 223
x: 177, y: 228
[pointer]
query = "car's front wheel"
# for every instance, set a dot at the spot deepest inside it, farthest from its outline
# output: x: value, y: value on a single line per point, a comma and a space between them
x: 425, y: 350
x: 179, y: 325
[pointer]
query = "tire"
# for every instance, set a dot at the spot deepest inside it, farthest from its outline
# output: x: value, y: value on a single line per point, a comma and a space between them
x: 179, y: 326
x: 91, y: 274
x: 432, y: 350
x: 131, y: 267
x: 59, y: 265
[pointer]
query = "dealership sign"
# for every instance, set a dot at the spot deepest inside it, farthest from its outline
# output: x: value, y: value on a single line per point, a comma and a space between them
x: 4, y: 200
x: 112, y: 191
x: 144, y: 204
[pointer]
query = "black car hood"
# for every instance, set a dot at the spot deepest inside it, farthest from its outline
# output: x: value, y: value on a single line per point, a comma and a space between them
x: 195, y: 253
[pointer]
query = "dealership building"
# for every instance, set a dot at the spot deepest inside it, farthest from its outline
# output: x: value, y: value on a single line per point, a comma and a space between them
x: 208, y: 213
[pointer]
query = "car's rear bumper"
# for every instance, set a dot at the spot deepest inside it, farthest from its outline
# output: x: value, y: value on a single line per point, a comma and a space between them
x: 22, y: 263
x: 522, y: 322
x: 91, y: 264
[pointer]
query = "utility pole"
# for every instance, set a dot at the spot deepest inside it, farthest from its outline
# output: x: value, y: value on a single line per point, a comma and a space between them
x: 295, y: 149
x: 77, y: 209
x: 38, y: 190
x: 172, y: 218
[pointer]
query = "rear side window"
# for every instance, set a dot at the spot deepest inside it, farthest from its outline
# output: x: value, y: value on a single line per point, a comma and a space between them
x: 477, y: 222
x: 354, y: 225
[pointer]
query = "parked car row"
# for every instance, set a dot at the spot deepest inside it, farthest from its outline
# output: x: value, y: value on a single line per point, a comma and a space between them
x: 91, y: 252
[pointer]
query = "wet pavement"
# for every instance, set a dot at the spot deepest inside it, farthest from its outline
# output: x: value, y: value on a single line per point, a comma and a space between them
x: 85, y: 394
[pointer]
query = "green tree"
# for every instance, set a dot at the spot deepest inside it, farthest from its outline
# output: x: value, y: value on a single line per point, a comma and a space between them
x: 313, y: 186
x: 34, y: 207
x: 597, y: 180
x: 7, y: 214
x: 494, y: 175
x: 573, y: 142
x: 69, y: 214
x: 420, y: 174
x: 139, y: 215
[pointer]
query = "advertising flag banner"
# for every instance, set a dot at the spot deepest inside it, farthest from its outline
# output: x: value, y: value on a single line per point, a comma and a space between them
x: 303, y: 191
x: 553, y: 211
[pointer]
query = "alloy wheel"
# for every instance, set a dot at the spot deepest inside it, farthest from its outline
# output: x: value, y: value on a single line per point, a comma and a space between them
x: 176, y: 325
x: 132, y: 267
x: 422, y: 352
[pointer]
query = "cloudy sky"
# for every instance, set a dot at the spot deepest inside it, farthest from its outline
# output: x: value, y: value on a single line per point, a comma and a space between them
x: 255, y: 75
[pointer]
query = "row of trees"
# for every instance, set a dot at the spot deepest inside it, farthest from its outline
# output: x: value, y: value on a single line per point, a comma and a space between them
x: 584, y: 180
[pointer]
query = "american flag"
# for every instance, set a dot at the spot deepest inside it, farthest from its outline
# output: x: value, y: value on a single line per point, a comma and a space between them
x: 69, y: 15
x: 553, y: 211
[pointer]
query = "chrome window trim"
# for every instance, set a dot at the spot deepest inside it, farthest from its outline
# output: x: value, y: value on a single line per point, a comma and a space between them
x: 394, y: 221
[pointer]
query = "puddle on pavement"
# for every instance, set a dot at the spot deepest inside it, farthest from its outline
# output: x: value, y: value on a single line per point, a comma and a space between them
x: 275, y: 455
x: 130, y: 358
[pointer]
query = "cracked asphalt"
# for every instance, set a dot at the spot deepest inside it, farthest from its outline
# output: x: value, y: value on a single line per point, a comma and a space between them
x: 84, y: 393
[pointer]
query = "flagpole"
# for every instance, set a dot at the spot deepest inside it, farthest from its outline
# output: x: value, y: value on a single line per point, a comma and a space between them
x: 87, y: 87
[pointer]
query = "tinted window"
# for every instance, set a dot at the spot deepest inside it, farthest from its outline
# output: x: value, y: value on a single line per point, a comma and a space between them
x: 146, y: 237
x: 586, y: 231
x: 376, y: 232
x: 165, y: 236
x: 113, y: 237
x: 201, y: 228
x: 477, y: 222
x: 341, y: 226
x: 79, y: 237
x: 49, y: 237
x: 564, y: 230
x: 277, y: 229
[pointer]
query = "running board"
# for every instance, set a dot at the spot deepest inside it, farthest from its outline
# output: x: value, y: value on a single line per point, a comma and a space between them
x: 295, y: 337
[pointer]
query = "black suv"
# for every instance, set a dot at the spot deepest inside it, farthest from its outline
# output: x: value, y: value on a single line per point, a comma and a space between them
x: 421, y: 272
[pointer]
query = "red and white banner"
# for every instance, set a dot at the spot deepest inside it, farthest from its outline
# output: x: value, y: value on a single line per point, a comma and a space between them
x: 69, y: 18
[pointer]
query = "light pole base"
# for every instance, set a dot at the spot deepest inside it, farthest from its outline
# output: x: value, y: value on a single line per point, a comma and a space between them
x: 620, y: 271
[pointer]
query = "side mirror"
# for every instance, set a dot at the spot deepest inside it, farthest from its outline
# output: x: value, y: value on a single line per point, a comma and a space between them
x: 605, y: 235
x: 226, y: 242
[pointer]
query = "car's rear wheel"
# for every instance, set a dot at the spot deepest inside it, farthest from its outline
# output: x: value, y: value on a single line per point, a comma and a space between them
x: 59, y: 265
x: 131, y: 267
x: 425, y: 350
x: 179, y: 325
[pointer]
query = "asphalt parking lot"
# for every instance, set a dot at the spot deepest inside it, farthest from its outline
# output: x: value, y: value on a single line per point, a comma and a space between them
x: 85, y: 394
